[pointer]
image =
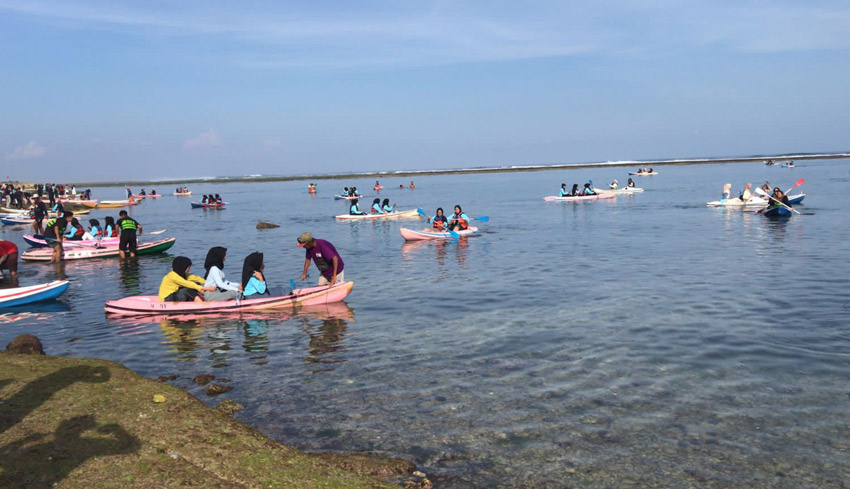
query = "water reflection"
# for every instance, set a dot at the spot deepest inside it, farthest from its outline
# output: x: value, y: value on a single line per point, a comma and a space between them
x: 326, y: 346
x: 256, y: 340
x: 130, y: 274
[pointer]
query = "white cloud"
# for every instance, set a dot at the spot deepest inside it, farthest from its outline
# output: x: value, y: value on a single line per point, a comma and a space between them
x: 26, y: 152
x: 207, y: 139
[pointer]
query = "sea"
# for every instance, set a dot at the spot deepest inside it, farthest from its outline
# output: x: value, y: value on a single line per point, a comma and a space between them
x: 642, y: 341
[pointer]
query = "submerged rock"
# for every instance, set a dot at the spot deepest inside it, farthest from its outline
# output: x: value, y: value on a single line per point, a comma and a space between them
x: 216, y: 389
x: 25, y: 344
x: 203, y: 379
x: 165, y: 378
x: 266, y: 225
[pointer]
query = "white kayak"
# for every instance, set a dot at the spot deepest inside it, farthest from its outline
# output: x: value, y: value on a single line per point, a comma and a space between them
x: 618, y: 191
x: 414, y: 235
x: 643, y: 173
x: 736, y: 202
x: 410, y: 214
x: 579, y: 198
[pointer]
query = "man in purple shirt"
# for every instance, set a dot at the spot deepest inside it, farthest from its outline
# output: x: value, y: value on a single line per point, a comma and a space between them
x: 326, y: 258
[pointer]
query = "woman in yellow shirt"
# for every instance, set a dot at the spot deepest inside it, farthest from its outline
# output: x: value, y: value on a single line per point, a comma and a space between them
x: 180, y: 286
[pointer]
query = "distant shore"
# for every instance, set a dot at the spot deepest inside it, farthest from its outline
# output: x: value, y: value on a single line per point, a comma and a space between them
x: 501, y: 169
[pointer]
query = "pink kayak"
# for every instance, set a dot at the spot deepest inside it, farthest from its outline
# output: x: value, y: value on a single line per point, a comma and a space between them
x: 39, y: 241
x: 413, y: 235
x: 150, y: 304
x: 146, y: 196
x: 579, y: 198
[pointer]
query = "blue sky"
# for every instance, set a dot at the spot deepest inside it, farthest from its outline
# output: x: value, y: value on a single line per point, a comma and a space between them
x: 105, y: 90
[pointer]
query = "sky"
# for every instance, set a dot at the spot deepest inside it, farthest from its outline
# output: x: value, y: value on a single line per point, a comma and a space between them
x: 118, y: 90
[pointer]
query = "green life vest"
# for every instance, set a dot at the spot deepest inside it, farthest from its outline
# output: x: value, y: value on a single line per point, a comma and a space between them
x: 127, y: 223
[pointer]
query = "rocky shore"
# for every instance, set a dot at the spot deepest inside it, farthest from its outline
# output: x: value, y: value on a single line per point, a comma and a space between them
x: 74, y: 422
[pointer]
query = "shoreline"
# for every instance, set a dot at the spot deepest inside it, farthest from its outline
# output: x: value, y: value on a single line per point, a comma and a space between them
x: 85, y: 422
x: 502, y: 169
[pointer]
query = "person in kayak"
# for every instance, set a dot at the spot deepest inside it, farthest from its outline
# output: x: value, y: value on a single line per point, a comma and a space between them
x: 630, y: 183
x: 614, y: 185
x: 95, y: 231
x: 54, y: 231
x: 8, y: 258
x: 574, y: 191
x: 75, y: 231
x: 766, y: 187
x: 354, y: 209
x: 253, y: 280
x: 727, y: 191
x: 778, y: 198
x: 153, y: 191
x: 438, y: 222
x: 746, y: 194
x: 110, y: 230
x: 376, y: 207
x: 587, y: 190
x: 458, y: 221
x: 223, y: 290
x: 344, y: 192
x: 563, y: 192
x: 324, y: 255
x: 180, y: 286
x: 128, y: 241
x: 142, y: 192
x: 218, y: 199
x: 386, y: 207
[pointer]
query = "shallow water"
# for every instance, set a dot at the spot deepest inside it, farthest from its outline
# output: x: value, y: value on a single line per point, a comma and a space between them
x: 644, y: 341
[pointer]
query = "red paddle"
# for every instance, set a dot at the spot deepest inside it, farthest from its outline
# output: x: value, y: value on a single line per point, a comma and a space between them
x: 799, y: 182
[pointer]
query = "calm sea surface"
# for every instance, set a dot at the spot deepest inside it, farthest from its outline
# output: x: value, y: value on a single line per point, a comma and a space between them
x: 643, y: 341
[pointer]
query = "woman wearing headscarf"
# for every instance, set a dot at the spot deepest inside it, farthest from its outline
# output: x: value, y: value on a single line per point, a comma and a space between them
x: 179, y: 286
x: 224, y: 290
x: 253, y: 280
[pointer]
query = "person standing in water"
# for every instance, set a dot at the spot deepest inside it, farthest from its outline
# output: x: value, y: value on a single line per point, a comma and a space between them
x: 326, y: 258
x: 127, y: 241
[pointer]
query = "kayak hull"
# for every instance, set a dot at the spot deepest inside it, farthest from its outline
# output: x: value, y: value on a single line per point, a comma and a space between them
x: 81, y: 253
x: 796, y: 199
x: 777, y: 212
x: 19, y: 296
x: 346, y: 197
x: 414, y: 235
x: 8, y: 221
x: 198, y: 205
x: 643, y: 174
x: 409, y: 214
x: 150, y: 305
x: 579, y: 198
x: 736, y: 202
x: 619, y: 191
x: 39, y: 241
x: 182, y: 193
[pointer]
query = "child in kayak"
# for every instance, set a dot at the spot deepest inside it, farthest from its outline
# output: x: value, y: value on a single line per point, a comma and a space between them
x: 94, y: 231
x: 180, y: 286
x: 563, y: 192
x: 75, y: 231
x: 574, y: 191
x: 386, y: 207
x: 223, y: 290
x: 253, y: 280
x: 110, y: 230
x: 587, y: 190
x: 458, y: 221
x: 354, y: 209
x: 376, y: 207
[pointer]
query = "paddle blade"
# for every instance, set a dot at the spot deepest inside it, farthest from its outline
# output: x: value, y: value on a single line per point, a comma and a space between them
x: 760, y: 191
x: 483, y: 218
x: 454, y: 235
x: 421, y: 212
x: 292, y: 284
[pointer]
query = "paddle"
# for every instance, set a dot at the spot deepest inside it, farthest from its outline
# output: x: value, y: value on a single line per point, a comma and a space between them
x: 157, y: 232
x: 765, y: 194
x: 799, y: 182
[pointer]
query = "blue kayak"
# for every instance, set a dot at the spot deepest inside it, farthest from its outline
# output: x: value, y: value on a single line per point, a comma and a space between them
x: 27, y: 295
x: 777, y: 212
x: 796, y: 199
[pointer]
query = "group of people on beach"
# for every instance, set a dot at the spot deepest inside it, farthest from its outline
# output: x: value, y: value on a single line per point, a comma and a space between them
x: 179, y: 285
x: 17, y: 197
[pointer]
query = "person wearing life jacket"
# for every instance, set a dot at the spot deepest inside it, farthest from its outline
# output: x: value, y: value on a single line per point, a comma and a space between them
x: 376, y: 207
x: 95, y: 231
x: 204, y: 199
x: 75, y: 231
x: 458, y: 221
x: 218, y: 199
x: 614, y: 185
x: 345, y: 192
x: 110, y: 230
x: 778, y: 198
x: 411, y: 184
x: 54, y: 234
x: 378, y: 185
x: 354, y: 209
x: 127, y: 241
x: 386, y: 207
x: 630, y: 183
x: 574, y: 191
x: 587, y: 190
x: 563, y: 192
x: 438, y: 222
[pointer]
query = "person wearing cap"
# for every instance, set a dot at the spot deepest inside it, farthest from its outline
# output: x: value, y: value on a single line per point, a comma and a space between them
x: 326, y: 258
